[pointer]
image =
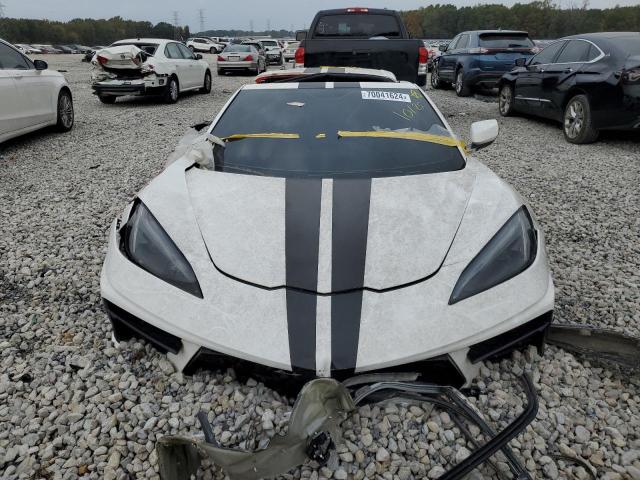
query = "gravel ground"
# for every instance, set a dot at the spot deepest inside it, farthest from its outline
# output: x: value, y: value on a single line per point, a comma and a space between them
x: 73, y: 406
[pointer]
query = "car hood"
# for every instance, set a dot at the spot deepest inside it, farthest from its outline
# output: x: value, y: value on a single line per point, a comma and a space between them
x: 327, y: 235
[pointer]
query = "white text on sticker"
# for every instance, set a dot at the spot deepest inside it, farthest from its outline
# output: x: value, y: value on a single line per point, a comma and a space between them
x: 385, y: 95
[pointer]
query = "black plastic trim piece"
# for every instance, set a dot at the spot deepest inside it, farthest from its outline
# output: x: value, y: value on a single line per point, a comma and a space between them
x: 533, y: 332
x: 127, y: 326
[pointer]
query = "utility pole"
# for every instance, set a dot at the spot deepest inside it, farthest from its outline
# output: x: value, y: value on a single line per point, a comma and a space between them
x: 251, y: 26
x: 201, y: 16
x: 268, y: 24
x: 175, y: 25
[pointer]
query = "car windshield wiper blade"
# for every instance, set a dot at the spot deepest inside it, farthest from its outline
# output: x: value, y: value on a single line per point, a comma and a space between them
x: 242, y: 136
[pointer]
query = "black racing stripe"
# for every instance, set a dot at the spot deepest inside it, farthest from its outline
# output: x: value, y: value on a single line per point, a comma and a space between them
x: 347, y: 85
x: 302, y: 240
x: 350, y: 225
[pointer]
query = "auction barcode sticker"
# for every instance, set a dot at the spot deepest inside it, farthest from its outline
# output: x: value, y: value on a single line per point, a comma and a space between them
x: 385, y: 95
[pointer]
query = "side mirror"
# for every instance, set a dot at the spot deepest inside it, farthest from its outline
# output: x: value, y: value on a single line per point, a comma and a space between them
x: 198, y: 56
x: 40, y: 64
x: 521, y: 62
x: 301, y: 35
x: 483, y: 133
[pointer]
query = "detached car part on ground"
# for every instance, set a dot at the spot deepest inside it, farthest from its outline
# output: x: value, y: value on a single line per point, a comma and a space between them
x: 148, y: 67
x: 314, y: 429
x: 361, y: 236
x: 587, y: 82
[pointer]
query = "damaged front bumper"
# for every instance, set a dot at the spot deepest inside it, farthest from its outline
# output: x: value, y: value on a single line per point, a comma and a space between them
x: 314, y: 426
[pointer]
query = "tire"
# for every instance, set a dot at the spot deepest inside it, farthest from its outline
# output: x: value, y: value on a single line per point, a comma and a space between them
x: 65, y: 113
x: 191, y: 48
x: 505, y: 100
x: 436, y: 82
x: 206, y: 87
x: 107, y: 99
x: 577, y: 122
x: 172, y: 91
x: 213, y: 50
x: 462, y: 90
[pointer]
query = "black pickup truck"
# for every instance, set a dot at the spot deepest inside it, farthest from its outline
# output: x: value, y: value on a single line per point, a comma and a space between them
x: 363, y: 37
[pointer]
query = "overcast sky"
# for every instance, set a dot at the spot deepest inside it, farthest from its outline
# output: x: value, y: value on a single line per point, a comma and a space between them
x: 225, y: 14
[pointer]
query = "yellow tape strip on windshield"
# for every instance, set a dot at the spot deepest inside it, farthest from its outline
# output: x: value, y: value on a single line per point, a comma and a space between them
x: 240, y: 136
x: 417, y: 136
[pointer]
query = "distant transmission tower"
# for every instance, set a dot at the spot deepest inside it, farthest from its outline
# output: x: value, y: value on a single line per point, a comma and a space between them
x: 1, y: 10
x: 175, y: 25
x: 251, y: 25
x: 201, y: 17
x: 268, y: 24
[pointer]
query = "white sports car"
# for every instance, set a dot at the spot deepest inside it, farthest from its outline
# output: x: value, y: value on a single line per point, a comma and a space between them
x: 352, y: 232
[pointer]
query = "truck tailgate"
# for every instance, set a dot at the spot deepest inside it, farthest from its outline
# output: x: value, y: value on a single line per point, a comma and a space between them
x: 397, y: 56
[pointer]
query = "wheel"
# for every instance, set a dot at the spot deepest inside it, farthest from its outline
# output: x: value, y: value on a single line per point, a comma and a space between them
x: 65, y: 112
x: 206, y: 87
x: 505, y: 100
x: 108, y: 99
x: 191, y: 48
x: 213, y: 50
x: 462, y: 90
x: 436, y: 82
x: 172, y: 91
x: 578, y: 124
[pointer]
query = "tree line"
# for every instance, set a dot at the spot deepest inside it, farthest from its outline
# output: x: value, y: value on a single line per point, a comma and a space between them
x: 247, y: 33
x: 85, y: 31
x: 542, y: 19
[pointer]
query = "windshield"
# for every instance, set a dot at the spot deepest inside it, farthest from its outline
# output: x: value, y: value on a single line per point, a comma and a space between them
x: 358, y: 25
x: 500, y: 40
x: 339, y: 132
x: 237, y: 48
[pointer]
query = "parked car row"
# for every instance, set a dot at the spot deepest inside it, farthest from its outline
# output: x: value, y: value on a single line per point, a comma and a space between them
x: 587, y: 82
x: 52, y: 49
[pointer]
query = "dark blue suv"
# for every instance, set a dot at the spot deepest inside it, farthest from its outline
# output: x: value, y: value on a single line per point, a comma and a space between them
x: 480, y: 58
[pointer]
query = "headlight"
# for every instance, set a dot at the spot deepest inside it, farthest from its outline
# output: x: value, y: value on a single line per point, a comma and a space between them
x: 510, y: 252
x: 147, y: 245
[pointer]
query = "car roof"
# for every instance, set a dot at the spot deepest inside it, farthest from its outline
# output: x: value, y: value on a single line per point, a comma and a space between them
x: 295, y: 85
x: 604, y: 35
x: 508, y: 32
x: 350, y: 74
x: 341, y: 11
x: 144, y: 40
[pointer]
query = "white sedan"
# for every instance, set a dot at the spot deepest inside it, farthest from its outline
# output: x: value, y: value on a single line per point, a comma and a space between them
x: 31, y: 96
x: 148, y: 66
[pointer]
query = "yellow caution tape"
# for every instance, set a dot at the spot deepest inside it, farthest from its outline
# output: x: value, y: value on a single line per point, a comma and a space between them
x: 240, y: 136
x: 417, y: 136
